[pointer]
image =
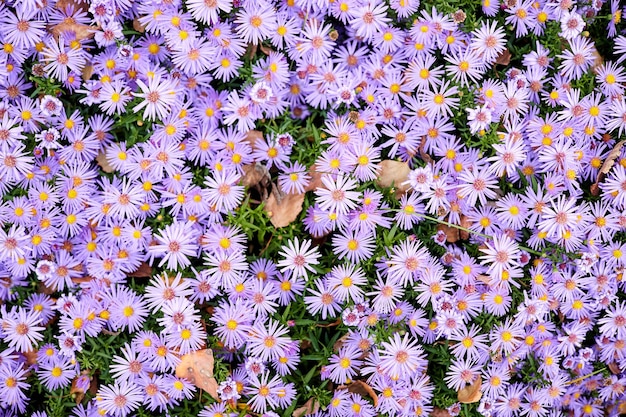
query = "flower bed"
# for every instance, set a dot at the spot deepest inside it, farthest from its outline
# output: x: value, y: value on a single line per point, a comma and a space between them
x: 339, y: 208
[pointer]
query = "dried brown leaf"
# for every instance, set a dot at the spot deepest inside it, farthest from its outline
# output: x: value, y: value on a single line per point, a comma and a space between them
x: 138, y: 26
x: 333, y: 324
x: 316, y: 180
x: 283, y: 209
x: 393, y: 174
x: 422, y: 150
x: 81, y: 31
x: 466, y: 223
x: 614, y: 367
x: 622, y: 407
x: 77, y: 390
x: 144, y: 271
x: 252, y: 136
x: 197, y: 367
x: 340, y: 342
x: 439, y: 412
x: 253, y: 174
x: 87, y: 72
x: 363, y: 389
x: 101, y: 159
x: 606, y: 167
x: 265, y: 49
x: 484, y: 278
x: 471, y: 393
x: 312, y: 406
x: 504, y: 58
x: 452, y: 233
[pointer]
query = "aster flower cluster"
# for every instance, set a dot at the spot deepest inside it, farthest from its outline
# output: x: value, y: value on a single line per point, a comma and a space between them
x: 143, y: 144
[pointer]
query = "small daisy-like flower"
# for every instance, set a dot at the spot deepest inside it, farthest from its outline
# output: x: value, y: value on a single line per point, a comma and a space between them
x: 119, y: 399
x: 159, y: 96
x: 22, y: 330
x: 572, y: 24
x: 176, y: 243
x: 488, y: 41
x: 60, y: 61
x: 299, y: 258
x: 502, y: 254
x: 401, y: 357
x: 256, y: 22
x: 337, y: 196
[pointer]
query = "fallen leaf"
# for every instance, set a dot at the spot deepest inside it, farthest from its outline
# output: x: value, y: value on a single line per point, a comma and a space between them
x: 265, y: 49
x: 253, y: 174
x: 87, y: 72
x: 614, y: 367
x: 80, y: 385
x: 471, y: 393
x: 606, y: 167
x: 622, y: 407
x: 30, y: 356
x: 597, y: 59
x: 484, y: 278
x: 504, y: 58
x: 81, y: 31
x: 252, y: 136
x: 340, y: 342
x: 466, y: 223
x: 316, y: 180
x: 394, y: 174
x: 144, y: 271
x: 281, y: 208
x: 197, y: 367
x: 363, y: 389
x: 425, y: 157
x: 312, y: 406
x: 101, y: 159
x: 333, y: 324
x: 439, y: 412
x: 452, y: 233
x: 138, y: 26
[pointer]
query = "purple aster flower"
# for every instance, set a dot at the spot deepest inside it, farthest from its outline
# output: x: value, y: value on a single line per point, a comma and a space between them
x: 354, y: 245
x: 120, y: 399
x: 176, y: 243
x: 268, y: 342
x: 401, y: 357
x: 233, y: 323
x: 256, y: 23
x: 13, y: 386
x: 614, y: 323
x: 299, y: 258
x: 126, y: 308
x: 21, y: 330
x: 322, y: 300
x: 58, y: 373
x: 159, y: 96
x: 59, y: 61
x: 344, y: 364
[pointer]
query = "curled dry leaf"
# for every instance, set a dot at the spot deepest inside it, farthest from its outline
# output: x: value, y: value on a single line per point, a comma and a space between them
x: 471, y: 393
x: 606, y: 167
x: 440, y: 412
x: 312, y: 406
x: 87, y: 72
x: 333, y: 324
x: 102, y: 161
x: 252, y: 136
x: 253, y: 174
x: 281, y: 208
x: 78, y: 388
x: 363, y: 389
x: 144, y: 271
x: 504, y: 58
x: 452, y: 233
x: 81, y: 31
x: 614, y: 367
x: 340, y: 342
x: 393, y: 174
x: 197, y: 367
x: 316, y: 180
x: 138, y: 26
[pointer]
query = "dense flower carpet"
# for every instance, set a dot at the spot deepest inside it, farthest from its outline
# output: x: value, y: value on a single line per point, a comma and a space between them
x: 337, y: 208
